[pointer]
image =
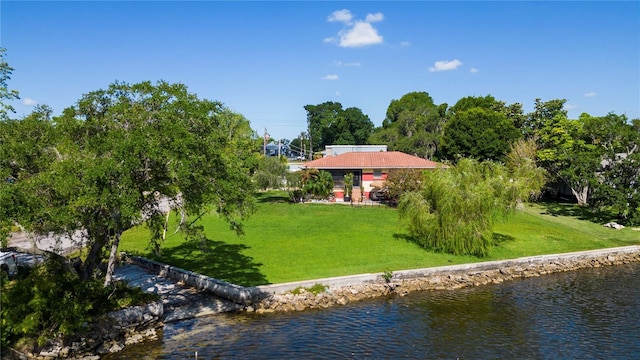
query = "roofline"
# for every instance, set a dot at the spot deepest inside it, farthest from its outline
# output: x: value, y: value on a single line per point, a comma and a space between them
x: 371, y: 167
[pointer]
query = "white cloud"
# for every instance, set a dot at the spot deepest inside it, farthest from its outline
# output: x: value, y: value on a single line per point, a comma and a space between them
x: 404, y: 44
x: 329, y: 40
x: 29, y: 102
x: 330, y: 77
x: 343, y: 16
x: 445, y: 65
x: 374, y: 17
x: 362, y: 34
x: 355, y: 34
x: 570, y: 107
x: 474, y: 70
x: 590, y: 94
x: 338, y: 93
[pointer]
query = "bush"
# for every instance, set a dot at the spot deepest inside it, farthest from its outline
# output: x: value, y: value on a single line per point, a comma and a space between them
x: 51, y: 302
x: 315, y: 289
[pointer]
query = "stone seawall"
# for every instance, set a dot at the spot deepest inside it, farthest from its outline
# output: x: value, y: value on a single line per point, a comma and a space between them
x: 441, y: 278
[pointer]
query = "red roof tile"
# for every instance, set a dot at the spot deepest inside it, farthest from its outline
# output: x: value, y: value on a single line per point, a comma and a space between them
x: 371, y: 160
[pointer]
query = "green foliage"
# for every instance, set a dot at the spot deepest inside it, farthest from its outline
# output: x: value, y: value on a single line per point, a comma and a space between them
x: 51, y: 302
x: 348, y: 184
x: 271, y: 173
x: 619, y: 191
x: 317, y: 183
x: 116, y: 155
x: 455, y: 210
x: 413, y: 125
x: 590, y: 155
x: 528, y: 177
x: 483, y: 102
x: 387, y: 275
x: 478, y: 133
x: 329, y: 124
x: 315, y: 289
x: 543, y: 112
x: 617, y: 144
x: 5, y: 93
x: 400, y: 181
x: 293, y: 178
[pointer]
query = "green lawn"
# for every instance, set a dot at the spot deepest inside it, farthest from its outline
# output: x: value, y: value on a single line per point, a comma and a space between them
x: 288, y: 242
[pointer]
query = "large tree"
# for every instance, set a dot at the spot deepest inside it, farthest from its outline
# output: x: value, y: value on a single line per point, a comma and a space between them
x: 479, y: 132
x: 329, y: 124
x: 567, y: 156
x: 589, y: 154
x: 617, y: 143
x: 116, y: 156
x: 413, y: 124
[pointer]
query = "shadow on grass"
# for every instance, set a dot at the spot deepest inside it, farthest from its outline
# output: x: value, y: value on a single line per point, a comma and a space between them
x: 273, y: 197
x: 500, y: 238
x: 405, y: 237
x: 216, y: 259
x: 497, y: 239
x: 573, y: 210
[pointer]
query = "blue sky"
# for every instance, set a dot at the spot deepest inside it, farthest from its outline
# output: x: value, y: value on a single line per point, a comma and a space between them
x: 267, y: 59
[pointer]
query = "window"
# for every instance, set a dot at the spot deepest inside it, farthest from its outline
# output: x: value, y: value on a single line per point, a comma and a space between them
x: 377, y: 174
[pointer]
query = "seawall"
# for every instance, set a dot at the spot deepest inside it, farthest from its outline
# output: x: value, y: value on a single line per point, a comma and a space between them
x: 346, y: 289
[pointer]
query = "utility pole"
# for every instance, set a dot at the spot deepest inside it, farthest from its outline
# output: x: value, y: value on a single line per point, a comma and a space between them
x: 264, y: 142
x: 279, y: 144
x: 310, y: 146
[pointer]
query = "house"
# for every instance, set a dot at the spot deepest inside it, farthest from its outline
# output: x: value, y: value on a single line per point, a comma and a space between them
x: 370, y: 169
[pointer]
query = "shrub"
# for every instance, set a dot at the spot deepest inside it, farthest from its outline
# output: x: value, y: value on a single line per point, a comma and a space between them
x: 315, y: 289
x: 51, y: 302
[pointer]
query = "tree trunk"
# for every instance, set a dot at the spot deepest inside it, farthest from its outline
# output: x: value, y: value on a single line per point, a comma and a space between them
x: 93, y: 257
x: 581, y: 195
x: 112, y: 259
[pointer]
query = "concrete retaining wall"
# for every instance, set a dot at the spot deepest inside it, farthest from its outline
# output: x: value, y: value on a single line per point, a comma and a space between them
x: 236, y: 293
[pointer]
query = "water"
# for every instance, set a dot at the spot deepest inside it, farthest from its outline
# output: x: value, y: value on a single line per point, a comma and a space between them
x: 586, y: 314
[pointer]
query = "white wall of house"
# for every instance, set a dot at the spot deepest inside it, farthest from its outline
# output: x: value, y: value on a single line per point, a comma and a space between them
x: 333, y: 150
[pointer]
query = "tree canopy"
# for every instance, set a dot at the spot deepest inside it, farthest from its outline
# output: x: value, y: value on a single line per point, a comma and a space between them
x: 113, y: 160
x: 330, y: 124
x: 478, y: 133
x: 413, y: 125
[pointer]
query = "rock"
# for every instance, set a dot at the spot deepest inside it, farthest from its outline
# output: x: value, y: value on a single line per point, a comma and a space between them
x: 613, y: 225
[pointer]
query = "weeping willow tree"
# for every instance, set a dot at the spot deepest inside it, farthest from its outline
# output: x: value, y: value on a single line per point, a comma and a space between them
x: 455, y: 210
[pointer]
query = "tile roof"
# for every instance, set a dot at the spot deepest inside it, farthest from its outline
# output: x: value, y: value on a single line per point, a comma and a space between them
x: 371, y: 160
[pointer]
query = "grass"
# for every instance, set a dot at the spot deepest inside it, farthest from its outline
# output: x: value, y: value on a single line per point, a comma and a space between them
x: 288, y: 242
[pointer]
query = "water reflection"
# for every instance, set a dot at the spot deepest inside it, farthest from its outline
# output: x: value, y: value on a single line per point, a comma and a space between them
x: 588, y: 314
